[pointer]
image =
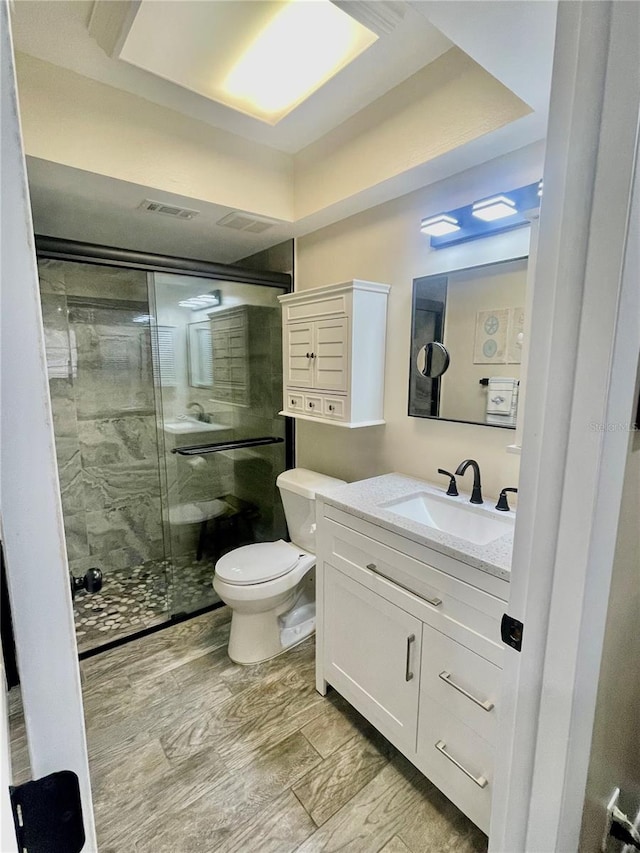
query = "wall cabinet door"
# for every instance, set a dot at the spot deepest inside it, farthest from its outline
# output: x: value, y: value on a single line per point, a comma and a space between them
x: 330, y: 351
x: 372, y: 656
x: 298, y: 346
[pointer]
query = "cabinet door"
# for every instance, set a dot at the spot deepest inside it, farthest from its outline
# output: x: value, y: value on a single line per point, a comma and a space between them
x: 331, y: 354
x: 372, y: 657
x: 298, y: 346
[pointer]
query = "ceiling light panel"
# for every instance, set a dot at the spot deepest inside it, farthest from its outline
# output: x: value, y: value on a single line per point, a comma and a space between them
x: 261, y: 58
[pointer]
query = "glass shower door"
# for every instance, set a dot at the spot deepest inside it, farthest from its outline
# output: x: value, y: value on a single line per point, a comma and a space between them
x: 99, y: 360
x: 218, y: 355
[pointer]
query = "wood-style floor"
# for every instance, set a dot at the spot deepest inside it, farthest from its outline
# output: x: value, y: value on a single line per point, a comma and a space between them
x: 191, y: 753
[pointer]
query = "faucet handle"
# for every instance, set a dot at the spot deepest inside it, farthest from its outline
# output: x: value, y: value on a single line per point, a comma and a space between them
x: 502, y: 504
x: 453, y: 488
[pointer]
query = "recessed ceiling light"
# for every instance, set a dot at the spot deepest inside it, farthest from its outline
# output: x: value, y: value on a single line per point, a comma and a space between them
x: 438, y: 226
x: 494, y: 208
x: 302, y: 47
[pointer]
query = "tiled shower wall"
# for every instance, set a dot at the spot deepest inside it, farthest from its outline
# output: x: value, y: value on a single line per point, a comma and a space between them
x: 102, y: 396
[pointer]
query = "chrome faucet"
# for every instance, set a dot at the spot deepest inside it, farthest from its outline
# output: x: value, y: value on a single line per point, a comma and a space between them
x: 200, y: 415
x: 476, y: 494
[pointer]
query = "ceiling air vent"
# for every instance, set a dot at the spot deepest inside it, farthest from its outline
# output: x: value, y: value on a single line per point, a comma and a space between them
x: 247, y: 222
x: 168, y: 209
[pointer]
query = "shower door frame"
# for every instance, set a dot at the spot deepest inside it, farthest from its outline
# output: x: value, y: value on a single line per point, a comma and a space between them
x: 59, y: 249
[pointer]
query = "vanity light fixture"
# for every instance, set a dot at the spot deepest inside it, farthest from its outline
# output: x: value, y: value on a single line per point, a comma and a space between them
x: 438, y: 226
x: 497, y: 207
x: 205, y: 300
x: 540, y: 188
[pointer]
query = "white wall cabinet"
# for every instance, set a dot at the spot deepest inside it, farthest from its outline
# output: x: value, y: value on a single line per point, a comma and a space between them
x: 334, y: 353
x: 411, y: 639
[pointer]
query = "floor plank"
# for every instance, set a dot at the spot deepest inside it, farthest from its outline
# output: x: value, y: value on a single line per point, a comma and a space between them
x: 234, y: 799
x: 395, y: 845
x: 328, y: 787
x: 335, y: 725
x: 278, y: 828
x: 398, y: 801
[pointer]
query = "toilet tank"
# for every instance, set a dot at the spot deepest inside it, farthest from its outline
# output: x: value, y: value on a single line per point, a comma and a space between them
x: 298, y: 492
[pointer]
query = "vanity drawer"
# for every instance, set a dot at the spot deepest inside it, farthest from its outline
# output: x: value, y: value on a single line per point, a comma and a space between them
x: 334, y: 407
x: 294, y: 402
x: 464, y: 683
x: 457, y: 609
x: 456, y: 759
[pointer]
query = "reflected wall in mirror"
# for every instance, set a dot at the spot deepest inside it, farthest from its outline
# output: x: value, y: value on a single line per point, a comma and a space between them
x: 476, y: 315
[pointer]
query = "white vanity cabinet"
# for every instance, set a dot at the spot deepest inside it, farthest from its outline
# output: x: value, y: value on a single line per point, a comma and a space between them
x: 333, y: 353
x: 411, y: 638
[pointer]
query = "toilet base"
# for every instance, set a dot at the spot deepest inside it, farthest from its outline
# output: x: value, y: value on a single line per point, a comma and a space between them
x: 256, y: 638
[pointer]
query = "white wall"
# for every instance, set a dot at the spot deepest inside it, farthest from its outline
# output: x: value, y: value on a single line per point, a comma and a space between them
x: 385, y: 244
x: 447, y: 104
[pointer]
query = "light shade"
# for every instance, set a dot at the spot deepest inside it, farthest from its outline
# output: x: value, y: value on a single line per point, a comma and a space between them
x: 301, y: 48
x: 438, y: 226
x: 494, y: 208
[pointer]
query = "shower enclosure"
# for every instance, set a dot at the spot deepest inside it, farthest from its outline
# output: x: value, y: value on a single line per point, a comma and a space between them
x: 166, y: 385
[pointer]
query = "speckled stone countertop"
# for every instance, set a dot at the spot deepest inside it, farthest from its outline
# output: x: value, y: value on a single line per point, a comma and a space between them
x: 364, y: 498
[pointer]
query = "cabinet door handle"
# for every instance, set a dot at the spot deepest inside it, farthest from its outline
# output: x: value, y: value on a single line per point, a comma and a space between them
x: 408, y: 675
x: 480, y: 781
x: 435, y: 601
x: 308, y: 355
x: 486, y: 705
x: 313, y: 355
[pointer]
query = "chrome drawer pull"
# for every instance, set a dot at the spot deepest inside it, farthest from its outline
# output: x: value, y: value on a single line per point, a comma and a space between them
x: 408, y: 675
x: 371, y: 566
x: 480, y: 781
x: 435, y: 601
x: 446, y: 677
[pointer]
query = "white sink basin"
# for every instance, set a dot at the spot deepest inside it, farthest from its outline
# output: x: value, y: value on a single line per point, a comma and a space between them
x: 463, y: 521
x: 186, y: 425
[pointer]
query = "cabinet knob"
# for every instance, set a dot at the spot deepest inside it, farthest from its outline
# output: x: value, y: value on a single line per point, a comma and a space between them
x: 313, y: 355
x: 331, y: 408
x: 308, y: 355
x: 293, y: 402
x: 311, y: 405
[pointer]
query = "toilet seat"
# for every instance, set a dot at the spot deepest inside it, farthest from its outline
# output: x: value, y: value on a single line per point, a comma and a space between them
x: 258, y: 563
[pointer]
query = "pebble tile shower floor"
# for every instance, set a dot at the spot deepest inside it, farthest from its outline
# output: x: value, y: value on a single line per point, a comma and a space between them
x: 136, y: 598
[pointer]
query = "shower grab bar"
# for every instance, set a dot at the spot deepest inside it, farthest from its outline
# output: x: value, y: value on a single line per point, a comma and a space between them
x: 216, y: 447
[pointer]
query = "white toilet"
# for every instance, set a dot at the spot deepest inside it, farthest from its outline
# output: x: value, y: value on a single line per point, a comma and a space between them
x: 270, y: 586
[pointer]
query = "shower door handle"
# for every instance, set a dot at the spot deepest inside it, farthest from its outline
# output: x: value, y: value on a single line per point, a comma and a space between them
x: 90, y: 582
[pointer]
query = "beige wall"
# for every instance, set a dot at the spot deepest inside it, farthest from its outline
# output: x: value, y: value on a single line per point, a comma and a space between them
x: 461, y: 394
x: 75, y: 121
x: 450, y: 102
x: 385, y: 244
x: 614, y: 758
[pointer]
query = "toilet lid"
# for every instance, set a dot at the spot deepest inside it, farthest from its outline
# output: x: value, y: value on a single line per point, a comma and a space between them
x: 264, y: 561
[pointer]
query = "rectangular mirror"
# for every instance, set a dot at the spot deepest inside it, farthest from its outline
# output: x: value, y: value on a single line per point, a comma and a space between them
x: 467, y: 333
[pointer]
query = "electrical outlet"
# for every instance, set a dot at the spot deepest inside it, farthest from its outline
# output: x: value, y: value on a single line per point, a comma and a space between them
x: 613, y: 803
